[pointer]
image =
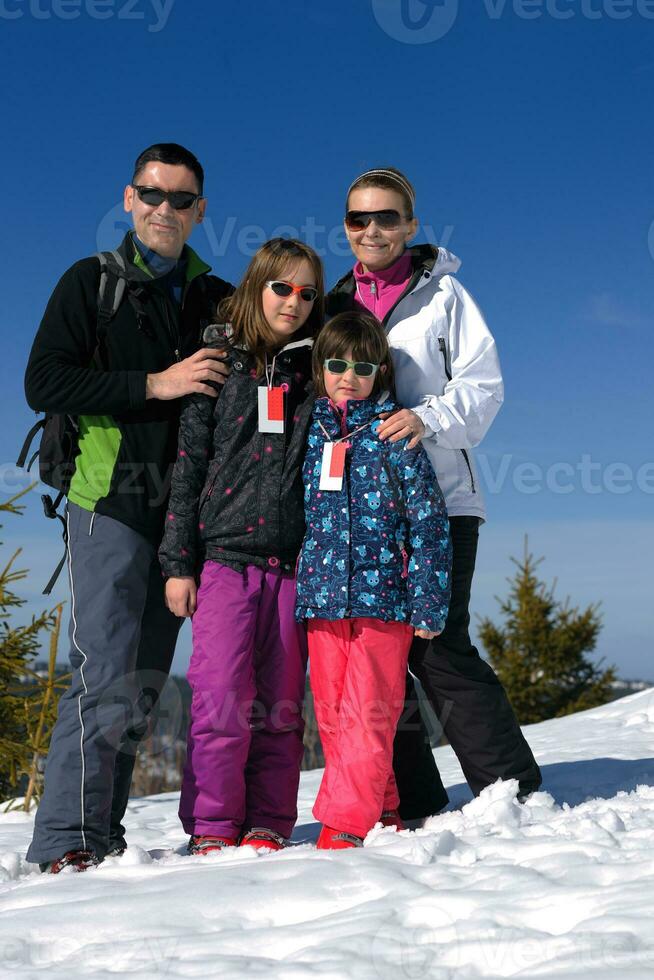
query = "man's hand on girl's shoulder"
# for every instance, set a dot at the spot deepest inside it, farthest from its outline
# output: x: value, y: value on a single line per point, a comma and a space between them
x: 197, y: 374
x: 181, y: 596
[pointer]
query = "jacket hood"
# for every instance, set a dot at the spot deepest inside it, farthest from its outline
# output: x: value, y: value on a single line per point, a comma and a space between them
x: 219, y: 333
x: 296, y: 344
x: 436, y: 260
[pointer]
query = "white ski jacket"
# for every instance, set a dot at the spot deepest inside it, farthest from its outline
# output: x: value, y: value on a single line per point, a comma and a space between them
x: 447, y: 369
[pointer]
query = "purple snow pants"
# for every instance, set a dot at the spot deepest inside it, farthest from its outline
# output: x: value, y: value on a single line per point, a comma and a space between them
x: 247, y: 674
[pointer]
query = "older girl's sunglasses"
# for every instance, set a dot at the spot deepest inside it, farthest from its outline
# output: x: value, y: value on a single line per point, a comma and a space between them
x: 358, y: 220
x: 178, y: 200
x: 279, y: 288
x: 362, y: 369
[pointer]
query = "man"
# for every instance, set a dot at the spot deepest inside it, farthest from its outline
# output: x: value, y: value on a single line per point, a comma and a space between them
x: 122, y: 382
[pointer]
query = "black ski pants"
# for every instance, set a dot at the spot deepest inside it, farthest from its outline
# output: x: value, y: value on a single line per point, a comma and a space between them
x: 468, y: 699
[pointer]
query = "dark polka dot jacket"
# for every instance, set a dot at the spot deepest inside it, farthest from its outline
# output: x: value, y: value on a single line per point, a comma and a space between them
x: 236, y: 493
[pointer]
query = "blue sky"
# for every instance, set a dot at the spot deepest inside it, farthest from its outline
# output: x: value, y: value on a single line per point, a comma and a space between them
x: 526, y: 129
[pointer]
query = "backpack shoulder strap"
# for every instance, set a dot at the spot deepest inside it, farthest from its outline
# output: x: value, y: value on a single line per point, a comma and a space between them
x: 29, y: 438
x: 50, y: 510
x: 113, y: 282
x: 111, y: 291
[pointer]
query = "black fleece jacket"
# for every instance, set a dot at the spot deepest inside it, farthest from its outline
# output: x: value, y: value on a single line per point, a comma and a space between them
x: 129, y: 443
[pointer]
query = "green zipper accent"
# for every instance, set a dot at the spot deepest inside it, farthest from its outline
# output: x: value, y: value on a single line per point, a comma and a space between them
x: 194, y: 265
x: 140, y: 262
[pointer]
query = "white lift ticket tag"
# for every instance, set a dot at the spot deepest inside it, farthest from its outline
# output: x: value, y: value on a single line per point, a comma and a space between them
x: 271, y: 409
x: 332, y: 467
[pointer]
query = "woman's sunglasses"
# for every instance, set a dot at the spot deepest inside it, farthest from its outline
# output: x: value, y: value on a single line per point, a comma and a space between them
x: 279, y: 288
x: 362, y: 369
x: 179, y: 200
x: 358, y: 220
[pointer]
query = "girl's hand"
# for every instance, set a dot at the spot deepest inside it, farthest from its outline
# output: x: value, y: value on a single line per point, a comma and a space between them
x: 398, y: 425
x: 425, y: 634
x: 181, y: 596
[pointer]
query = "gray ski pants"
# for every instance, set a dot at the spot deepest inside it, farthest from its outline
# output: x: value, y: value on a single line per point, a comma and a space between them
x: 122, y: 640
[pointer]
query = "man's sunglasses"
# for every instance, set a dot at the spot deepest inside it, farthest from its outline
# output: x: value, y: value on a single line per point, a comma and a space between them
x: 358, y: 220
x: 279, y: 288
x: 179, y: 200
x: 362, y: 369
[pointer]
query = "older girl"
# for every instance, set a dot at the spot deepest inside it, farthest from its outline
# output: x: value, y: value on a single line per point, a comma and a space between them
x: 235, y: 516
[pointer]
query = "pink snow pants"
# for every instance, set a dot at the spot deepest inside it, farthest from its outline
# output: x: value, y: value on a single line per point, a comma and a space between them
x: 247, y: 674
x: 357, y: 669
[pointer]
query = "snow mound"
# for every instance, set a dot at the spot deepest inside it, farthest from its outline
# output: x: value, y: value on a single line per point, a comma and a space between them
x: 562, y: 886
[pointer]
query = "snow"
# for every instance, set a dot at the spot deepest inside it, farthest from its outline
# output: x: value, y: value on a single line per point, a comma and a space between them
x: 562, y: 886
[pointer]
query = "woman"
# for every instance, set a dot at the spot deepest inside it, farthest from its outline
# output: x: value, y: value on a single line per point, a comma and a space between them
x: 448, y: 375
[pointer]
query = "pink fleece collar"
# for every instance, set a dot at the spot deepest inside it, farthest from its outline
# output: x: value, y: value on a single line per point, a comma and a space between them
x: 398, y: 272
x: 378, y: 292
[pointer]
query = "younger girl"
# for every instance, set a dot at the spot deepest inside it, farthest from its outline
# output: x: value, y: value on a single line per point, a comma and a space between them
x: 374, y: 570
x: 236, y: 512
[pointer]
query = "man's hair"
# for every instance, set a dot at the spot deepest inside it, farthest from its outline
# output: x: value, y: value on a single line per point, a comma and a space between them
x: 171, y: 153
x: 364, y: 335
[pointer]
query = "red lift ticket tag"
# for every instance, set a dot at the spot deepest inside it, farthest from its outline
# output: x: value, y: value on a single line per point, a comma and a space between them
x: 271, y: 410
x: 333, y: 466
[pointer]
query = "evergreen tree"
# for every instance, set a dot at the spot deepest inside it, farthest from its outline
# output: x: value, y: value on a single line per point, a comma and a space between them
x: 539, y: 652
x: 19, y: 645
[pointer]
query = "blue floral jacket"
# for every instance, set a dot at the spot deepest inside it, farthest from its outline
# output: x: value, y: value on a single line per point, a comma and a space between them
x: 380, y: 547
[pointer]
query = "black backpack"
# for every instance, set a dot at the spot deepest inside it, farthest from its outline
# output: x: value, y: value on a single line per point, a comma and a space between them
x: 58, y: 447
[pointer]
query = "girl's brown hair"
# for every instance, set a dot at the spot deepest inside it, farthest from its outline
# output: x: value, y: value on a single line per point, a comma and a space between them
x: 244, y: 308
x: 364, y: 335
x: 390, y: 179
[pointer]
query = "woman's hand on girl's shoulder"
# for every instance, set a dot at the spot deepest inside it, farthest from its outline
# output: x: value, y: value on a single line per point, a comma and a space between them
x: 181, y: 596
x: 401, y: 424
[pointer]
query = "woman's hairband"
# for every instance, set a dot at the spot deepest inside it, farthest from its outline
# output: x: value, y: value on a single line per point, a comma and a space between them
x: 404, y: 184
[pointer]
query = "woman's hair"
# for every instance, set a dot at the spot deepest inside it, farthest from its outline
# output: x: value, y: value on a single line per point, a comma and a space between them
x: 244, y: 308
x: 389, y: 179
x: 364, y: 335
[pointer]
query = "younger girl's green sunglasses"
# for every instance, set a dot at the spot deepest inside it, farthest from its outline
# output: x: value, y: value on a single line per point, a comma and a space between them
x: 338, y: 365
